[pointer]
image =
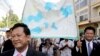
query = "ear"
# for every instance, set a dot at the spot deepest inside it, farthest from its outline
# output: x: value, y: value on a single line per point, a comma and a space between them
x: 28, y: 37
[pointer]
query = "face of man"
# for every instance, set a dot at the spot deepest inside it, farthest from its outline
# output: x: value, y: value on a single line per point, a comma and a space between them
x: 8, y: 34
x: 19, y: 39
x: 89, y: 35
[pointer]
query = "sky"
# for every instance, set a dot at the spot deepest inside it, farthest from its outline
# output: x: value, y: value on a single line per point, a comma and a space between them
x: 16, y: 5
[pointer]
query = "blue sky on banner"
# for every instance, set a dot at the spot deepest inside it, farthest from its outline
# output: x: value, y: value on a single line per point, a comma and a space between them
x: 40, y: 23
x: 36, y: 30
x: 67, y: 10
x: 49, y: 6
x: 34, y: 18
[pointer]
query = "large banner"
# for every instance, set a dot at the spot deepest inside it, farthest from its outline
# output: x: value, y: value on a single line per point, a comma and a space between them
x: 50, y: 19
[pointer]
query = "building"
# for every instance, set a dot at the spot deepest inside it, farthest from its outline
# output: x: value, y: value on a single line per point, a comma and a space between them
x: 84, y: 14
x: 95, y: 14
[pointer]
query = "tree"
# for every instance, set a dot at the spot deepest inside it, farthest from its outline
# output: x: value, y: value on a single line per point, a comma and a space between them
x: 2, y: 24
x: 10, y: 19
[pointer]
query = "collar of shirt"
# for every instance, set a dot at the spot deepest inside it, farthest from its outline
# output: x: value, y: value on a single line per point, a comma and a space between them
x: 91, y: 44
x: 23, y: 53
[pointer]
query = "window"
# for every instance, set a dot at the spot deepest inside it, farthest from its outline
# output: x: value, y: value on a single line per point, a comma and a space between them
x: 83, y: 3
x: 76, y: 1
x: 83, y: 17
x: 99, y: 13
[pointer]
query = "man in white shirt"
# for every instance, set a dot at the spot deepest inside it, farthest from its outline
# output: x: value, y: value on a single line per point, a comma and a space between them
x: 65, y: 47
x: 20, y: 38
x: 1, y: 42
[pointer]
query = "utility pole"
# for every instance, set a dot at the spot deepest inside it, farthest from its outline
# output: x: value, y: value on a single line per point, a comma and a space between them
x: 89, y: 10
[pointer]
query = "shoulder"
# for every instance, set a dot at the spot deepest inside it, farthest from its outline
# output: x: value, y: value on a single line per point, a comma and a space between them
x: 40, y: 54
x: 8, y: 53
x: 32, y: 52
x: 37, y: 53
x: 62, y: 41
x: 7, y: 41
x: 70, y: 41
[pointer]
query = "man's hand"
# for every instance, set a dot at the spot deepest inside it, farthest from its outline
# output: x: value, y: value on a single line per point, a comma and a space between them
x: 79, y: 44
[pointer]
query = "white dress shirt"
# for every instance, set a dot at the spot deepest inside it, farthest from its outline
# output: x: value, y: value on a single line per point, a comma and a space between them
x: 91, y: 44
x: 48, y: 51
x: 1, y: 39
x: 67, y: 51
x: 22, y: 53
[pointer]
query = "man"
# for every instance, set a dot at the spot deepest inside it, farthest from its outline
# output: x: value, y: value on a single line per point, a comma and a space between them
x: 87, y: 47
x: 1, y: 42
x: 65, y: 47
x: 8, y: 43
x: 20, y: 39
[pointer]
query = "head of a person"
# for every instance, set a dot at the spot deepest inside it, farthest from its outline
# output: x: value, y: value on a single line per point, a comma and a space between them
x: 42, y: 40
x: 89, y: 33
x: 8, y: 33
x: 81, y: 36
x: 66, y: 39
x: 20, y: 35
x: 48, y: 42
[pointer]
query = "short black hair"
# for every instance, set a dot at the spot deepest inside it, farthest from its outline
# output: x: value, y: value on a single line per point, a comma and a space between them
x: 89, y: 28
x: 25, y: 27
x: 8, y: 31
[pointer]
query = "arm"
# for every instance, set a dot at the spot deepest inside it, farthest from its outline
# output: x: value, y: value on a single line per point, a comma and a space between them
x: 70, y: 44
x: 62, y: 48
x: 63, y: 45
